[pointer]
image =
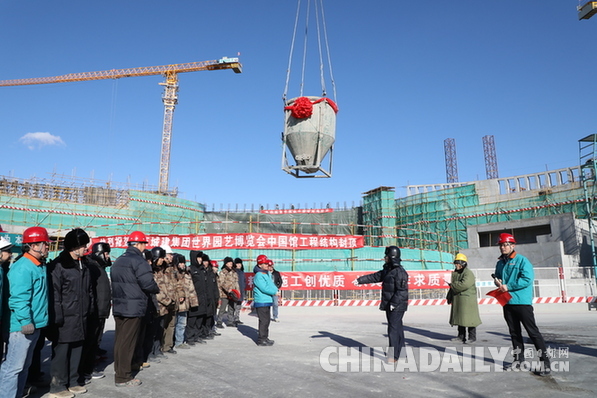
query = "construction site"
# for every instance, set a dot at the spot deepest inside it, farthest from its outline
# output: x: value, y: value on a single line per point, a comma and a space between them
x: 323, y: 249
x: 550, y: 214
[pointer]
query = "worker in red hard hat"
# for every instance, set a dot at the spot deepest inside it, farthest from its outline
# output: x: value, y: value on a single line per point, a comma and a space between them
x: 514, y: 274
x: 264, y: 292
x: 28, y: 309
x: 132, y: 284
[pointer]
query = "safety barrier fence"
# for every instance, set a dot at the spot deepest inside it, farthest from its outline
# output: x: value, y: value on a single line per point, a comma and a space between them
x: 551, y: 285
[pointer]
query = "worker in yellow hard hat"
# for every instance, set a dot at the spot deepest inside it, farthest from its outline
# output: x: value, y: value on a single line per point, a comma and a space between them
x: 463, y: 297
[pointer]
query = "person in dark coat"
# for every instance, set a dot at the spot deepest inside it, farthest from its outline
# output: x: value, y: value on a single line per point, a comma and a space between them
x: 132, y: 283
x: 242, y: 285
x: 72, y: 300
x: 98, y: 261
x: 394, y: 298
x: 278, y: 281
x: 152, y: 324
x: 196, y: 316
x: 213, y: 295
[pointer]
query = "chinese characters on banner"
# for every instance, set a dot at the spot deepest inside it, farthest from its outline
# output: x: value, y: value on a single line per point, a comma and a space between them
x: 243, y: 241
x: 347, y: 280
x: 297, y: 211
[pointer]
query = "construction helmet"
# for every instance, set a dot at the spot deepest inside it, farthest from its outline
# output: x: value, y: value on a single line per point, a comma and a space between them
x: 460, y: 257
x: 100, y: 247
x: 270, y: 262
x: 168, y: 249
x: 35, y: 235
x: 137, y: 237
x: 506, y: 238
x: 392, y: 252
x: 234, y: 294
x: 75, y: 238
x: 214, y: 264
x: 5, y: 244
x: 157, y: 253
x: 262, y: 259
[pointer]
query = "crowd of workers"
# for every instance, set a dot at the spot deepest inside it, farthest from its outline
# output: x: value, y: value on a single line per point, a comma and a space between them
x: 160, y: 304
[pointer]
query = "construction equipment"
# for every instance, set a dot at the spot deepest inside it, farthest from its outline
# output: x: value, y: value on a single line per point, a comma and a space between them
x: 309, y: 121
x: 587, y: 10
x: 169, y: 97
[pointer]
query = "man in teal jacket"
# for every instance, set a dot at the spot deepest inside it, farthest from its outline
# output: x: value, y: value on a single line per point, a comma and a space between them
x: 264, y: 291
x: 28, y: 305
x: 514, y: 274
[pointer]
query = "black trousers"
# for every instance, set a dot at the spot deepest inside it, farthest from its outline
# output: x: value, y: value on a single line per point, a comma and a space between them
x: 125, y: 342
x: 395, y: 331
x: 64, y: 368
x: 90, y: 347
x: 263, y: 313
x: 523, y: 315
x: 193, y: 330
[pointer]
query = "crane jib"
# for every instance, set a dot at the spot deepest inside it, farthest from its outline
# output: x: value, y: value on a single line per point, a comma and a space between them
x: 225, y: 63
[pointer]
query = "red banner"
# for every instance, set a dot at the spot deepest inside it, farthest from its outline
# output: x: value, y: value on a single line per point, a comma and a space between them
x: 347, y: 280
x: 242, y: 241
x: 296, y: 211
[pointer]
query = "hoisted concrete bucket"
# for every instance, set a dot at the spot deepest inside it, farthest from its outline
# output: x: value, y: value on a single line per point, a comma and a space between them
x: 309, y: 134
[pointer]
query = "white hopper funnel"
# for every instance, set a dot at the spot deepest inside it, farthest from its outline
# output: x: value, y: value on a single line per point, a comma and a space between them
x: 309, y: 134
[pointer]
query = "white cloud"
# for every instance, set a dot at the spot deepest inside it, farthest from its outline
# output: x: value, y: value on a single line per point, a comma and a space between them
x: 39, y: 140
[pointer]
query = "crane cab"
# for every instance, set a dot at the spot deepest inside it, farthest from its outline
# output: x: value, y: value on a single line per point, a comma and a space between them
x: 587, y: 10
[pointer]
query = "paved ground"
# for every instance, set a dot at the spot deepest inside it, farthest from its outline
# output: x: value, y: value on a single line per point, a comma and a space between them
x: 233, y: 366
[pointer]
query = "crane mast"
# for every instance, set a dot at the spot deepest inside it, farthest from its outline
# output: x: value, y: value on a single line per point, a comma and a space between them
x: 169, y: 96
x: 170, y: 99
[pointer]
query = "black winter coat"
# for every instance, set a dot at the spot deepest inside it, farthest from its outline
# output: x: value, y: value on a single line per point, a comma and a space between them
x: 100, y: 284
x: 278, y: 281
x: 72, y: 298
x: 394, y: 287
x: 242, y: 285
x: 199, y: 276
x: 132, y: 283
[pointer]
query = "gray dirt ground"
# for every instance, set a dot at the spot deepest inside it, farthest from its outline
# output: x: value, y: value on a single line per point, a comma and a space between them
x: 233, y: 366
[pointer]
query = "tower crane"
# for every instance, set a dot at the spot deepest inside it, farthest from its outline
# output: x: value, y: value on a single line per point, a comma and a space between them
x: 169, y: 97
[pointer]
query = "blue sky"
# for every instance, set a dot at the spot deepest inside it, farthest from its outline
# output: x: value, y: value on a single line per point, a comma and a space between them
x: 408, y: 74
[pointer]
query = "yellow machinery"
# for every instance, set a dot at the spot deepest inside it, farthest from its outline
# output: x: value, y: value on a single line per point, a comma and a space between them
x: 169, y: 97
x: 587, y: 10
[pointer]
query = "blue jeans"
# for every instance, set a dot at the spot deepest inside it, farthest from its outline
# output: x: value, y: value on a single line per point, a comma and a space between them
x: 13, y: 371
x: 181, y: 324
x: 275, y: 307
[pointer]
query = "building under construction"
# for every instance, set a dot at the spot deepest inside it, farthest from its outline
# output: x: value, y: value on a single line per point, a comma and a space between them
x: 550, y: 214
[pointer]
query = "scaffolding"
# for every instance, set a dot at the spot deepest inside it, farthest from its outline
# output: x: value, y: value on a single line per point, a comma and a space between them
x: 588, y: 165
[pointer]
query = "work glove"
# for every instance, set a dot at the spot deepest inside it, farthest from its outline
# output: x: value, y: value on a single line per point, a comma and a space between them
x: 28, y: 329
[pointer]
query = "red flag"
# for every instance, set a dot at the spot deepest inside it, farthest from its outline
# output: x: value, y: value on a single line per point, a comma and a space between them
x: 502, y: 297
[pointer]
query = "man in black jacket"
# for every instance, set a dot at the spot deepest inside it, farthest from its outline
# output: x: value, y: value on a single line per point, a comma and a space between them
x: 132, y: 283
x: 394, y: 298
x: 278, y: 281
x: 98, y: 261
x: 72, y: 301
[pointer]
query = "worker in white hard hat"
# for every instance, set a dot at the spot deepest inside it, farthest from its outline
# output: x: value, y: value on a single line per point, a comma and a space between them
x: 5, y: 256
